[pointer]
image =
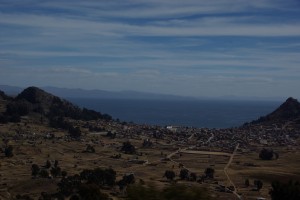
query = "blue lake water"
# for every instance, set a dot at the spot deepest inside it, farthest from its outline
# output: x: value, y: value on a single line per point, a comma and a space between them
x: 195, y: 113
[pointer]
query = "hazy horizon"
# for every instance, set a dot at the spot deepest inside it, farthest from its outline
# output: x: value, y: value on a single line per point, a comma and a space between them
x: 186, y: 48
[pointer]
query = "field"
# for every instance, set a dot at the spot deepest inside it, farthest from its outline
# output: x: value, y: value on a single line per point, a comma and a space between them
x: 148, y: 164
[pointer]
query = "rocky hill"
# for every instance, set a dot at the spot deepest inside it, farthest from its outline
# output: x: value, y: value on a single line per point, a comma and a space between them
x: 288, y: 111
x: 35, y: 100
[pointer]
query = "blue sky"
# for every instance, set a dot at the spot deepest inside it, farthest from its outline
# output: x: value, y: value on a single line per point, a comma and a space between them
x: 190, y: 47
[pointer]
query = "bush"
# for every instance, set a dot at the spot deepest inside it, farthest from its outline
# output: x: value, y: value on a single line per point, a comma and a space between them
x: 74, y: 132
x: 91, y: 192
x: 173, y: 192
x: 35, y: 170
x: 128, y: 148
x: 184, y: 174
x: 266, y: 154
x: 44, y: 173
x: 288, y: 191
x: 209, y: 172
x: 169, y: 174
x: 8, y: 151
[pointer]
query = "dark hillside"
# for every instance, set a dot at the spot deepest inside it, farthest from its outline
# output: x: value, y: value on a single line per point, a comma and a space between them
x: 35, y: 100
x: 288, y: 111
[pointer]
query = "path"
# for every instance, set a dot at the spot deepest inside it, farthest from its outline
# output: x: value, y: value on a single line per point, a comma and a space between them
x: 225, y: 171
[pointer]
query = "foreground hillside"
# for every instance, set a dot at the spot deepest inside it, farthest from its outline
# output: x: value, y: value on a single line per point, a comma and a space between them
x: 53, y: 149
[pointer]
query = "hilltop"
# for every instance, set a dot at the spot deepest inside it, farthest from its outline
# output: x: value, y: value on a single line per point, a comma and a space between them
x: 288, y: 111
x: 32, y: 101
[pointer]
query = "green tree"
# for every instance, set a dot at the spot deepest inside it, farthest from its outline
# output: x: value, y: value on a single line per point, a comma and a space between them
x: 128, y: 148
x: 247, y: 182
x: 172, y: 192
x: 91, y: 192
x: 193, y: 176
x: 35, y: 170
x: 266, y: 154
x: 209, y: 172
x: 48, y: 164
x: 258, y: 184
x: 288, y: 191
x: 184, y: 174
x: 44, y: 173
x: 64, y: 174
x: 74, y: 132
x: 8, y: 151
x: 55, y: 171
x: 169, y: 174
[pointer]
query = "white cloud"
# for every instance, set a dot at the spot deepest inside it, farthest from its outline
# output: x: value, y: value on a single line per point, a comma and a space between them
x: 155, y: 45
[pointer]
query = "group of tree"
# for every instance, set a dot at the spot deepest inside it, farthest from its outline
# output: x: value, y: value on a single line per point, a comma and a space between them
x: 14, y: 111
x: 128, y: 148
x: 288, y: 191
x: 60, y: 122
x: 209, y: 172
x: 127, y: 179
x: 185, y: 174
x: 47, y: 170
x: 258, y: 184
x: 89, y: 149
x: 87, y: 184
x: 8, y: 151
x: 268, y: 154
x: 147, y: 143
x: 173, y: 192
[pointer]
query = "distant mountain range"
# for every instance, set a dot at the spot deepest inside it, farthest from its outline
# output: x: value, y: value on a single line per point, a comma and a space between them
x: 37, y: 100
x: 104, y: 94
x: 95, y: 94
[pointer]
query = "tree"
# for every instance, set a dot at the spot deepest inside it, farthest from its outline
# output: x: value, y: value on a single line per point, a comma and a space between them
x: 258, y: 184
x: 74, y: 132
x: 99, y: 176
x: 35, y: 170
x: 169, y: 174
x: 129, y: 179
x: 193, y: 176
x: 184, y: 174
x: 69, y: 185
x: 209, y: 172
x: 8, y: 151
x: 55, y: 171
x: 247, y: 182
x: 126, y: 180
x: 90, y: 149
x: 48, y: 164
x: 64, y: 174
x: 44, y: 173
x: 91, y: 191
x: 266, y: 154
x: 288, y: 191
x: 56, y: 163
x: 128, y: 148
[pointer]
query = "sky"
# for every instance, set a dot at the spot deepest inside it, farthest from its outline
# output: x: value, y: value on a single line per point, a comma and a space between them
x: 182, y: 47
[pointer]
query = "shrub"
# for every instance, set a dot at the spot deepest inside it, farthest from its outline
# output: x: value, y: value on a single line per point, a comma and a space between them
x: 266, y: 154
x: 8, y: 151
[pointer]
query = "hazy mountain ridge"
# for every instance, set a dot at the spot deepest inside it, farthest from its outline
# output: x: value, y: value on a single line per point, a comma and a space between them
x: 52, y: 106
x: 96, y: 94
x: 128, y: 94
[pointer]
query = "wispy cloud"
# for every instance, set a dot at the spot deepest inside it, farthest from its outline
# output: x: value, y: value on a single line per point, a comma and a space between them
x: 176, y: 46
